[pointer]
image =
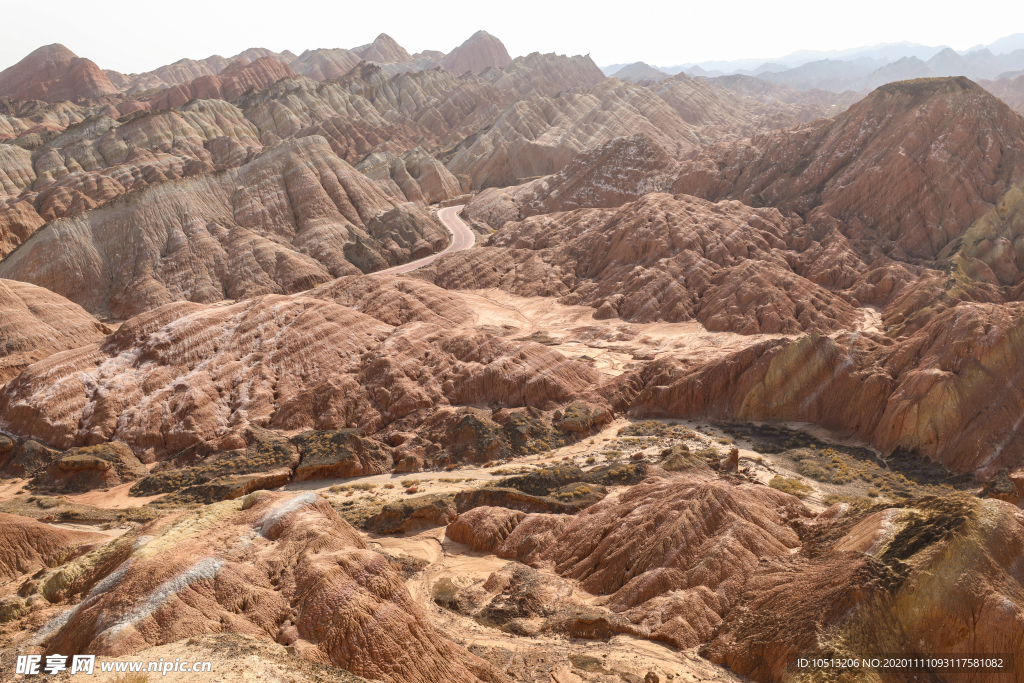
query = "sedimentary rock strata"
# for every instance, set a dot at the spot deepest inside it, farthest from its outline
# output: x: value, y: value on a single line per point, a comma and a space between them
x: 294, y: 218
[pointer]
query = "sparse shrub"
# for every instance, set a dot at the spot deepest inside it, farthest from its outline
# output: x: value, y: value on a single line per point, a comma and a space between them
x: 794, y: 487
x: 858, y: 502
x: 873, y: 493
x: 811, y: 469
x: 410, y: 482
x: 591, y: 460
x: 389, y: 486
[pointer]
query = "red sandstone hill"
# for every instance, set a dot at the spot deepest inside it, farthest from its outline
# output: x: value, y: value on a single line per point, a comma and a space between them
x: 35, y: 323
x: 906, y: 170
x: 54, y: 73
x: 230, y: 84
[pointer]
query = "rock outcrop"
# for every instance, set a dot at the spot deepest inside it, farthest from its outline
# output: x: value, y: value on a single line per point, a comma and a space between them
x: 413, y: 514
x: 484, y: 528
x: 340, y: 454
x: 95, y: 467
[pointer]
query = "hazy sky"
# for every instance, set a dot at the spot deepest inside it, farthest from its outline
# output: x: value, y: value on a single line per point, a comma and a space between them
x: 139, y: 35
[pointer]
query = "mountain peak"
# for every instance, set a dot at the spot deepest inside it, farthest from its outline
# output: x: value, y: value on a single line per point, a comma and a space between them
x: 920, y: 89
x: 54, y: 73
x: 383, y: 50
x: 480, y: 52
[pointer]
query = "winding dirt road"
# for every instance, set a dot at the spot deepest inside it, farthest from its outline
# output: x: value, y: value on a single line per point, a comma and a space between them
x: 462, y: 238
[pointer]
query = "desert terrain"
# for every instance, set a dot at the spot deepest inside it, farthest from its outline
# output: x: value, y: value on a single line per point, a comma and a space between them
x: 369, y: 365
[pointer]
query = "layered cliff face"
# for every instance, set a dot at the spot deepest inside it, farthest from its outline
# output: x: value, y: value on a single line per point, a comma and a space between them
x: 100, y: 158
x: 187, y: 70
x: 54, y: 74
x: 538, y: 135
x: 925, y: 393
x: 526, y: 119
x: 293, y: 218
x: 416, y: 175
x: 322, y: 65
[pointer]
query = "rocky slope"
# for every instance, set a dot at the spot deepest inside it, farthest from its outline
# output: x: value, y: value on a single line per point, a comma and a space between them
x: 187, y: 70
x: 473, y: 124
x: 286, y: 583
x: 295, y: 217
x: 923, y: 394
x: 902, y: 170
x: 1009, y: 90
x: 415, y: 175
x: 230, y: 84
x: 732, y: 251
x: 36, y: 323
x: 659, y: 258
x: 607, y: 176
x: 866, y: 581
x: 360, y: 353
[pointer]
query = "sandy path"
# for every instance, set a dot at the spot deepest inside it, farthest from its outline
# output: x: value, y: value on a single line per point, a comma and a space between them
x: 116, y: 498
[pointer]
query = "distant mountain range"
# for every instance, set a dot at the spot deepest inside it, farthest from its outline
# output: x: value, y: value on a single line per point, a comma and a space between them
x: 861, y: 68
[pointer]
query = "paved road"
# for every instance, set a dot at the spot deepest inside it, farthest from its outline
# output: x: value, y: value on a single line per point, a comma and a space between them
x: 462, y: 238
